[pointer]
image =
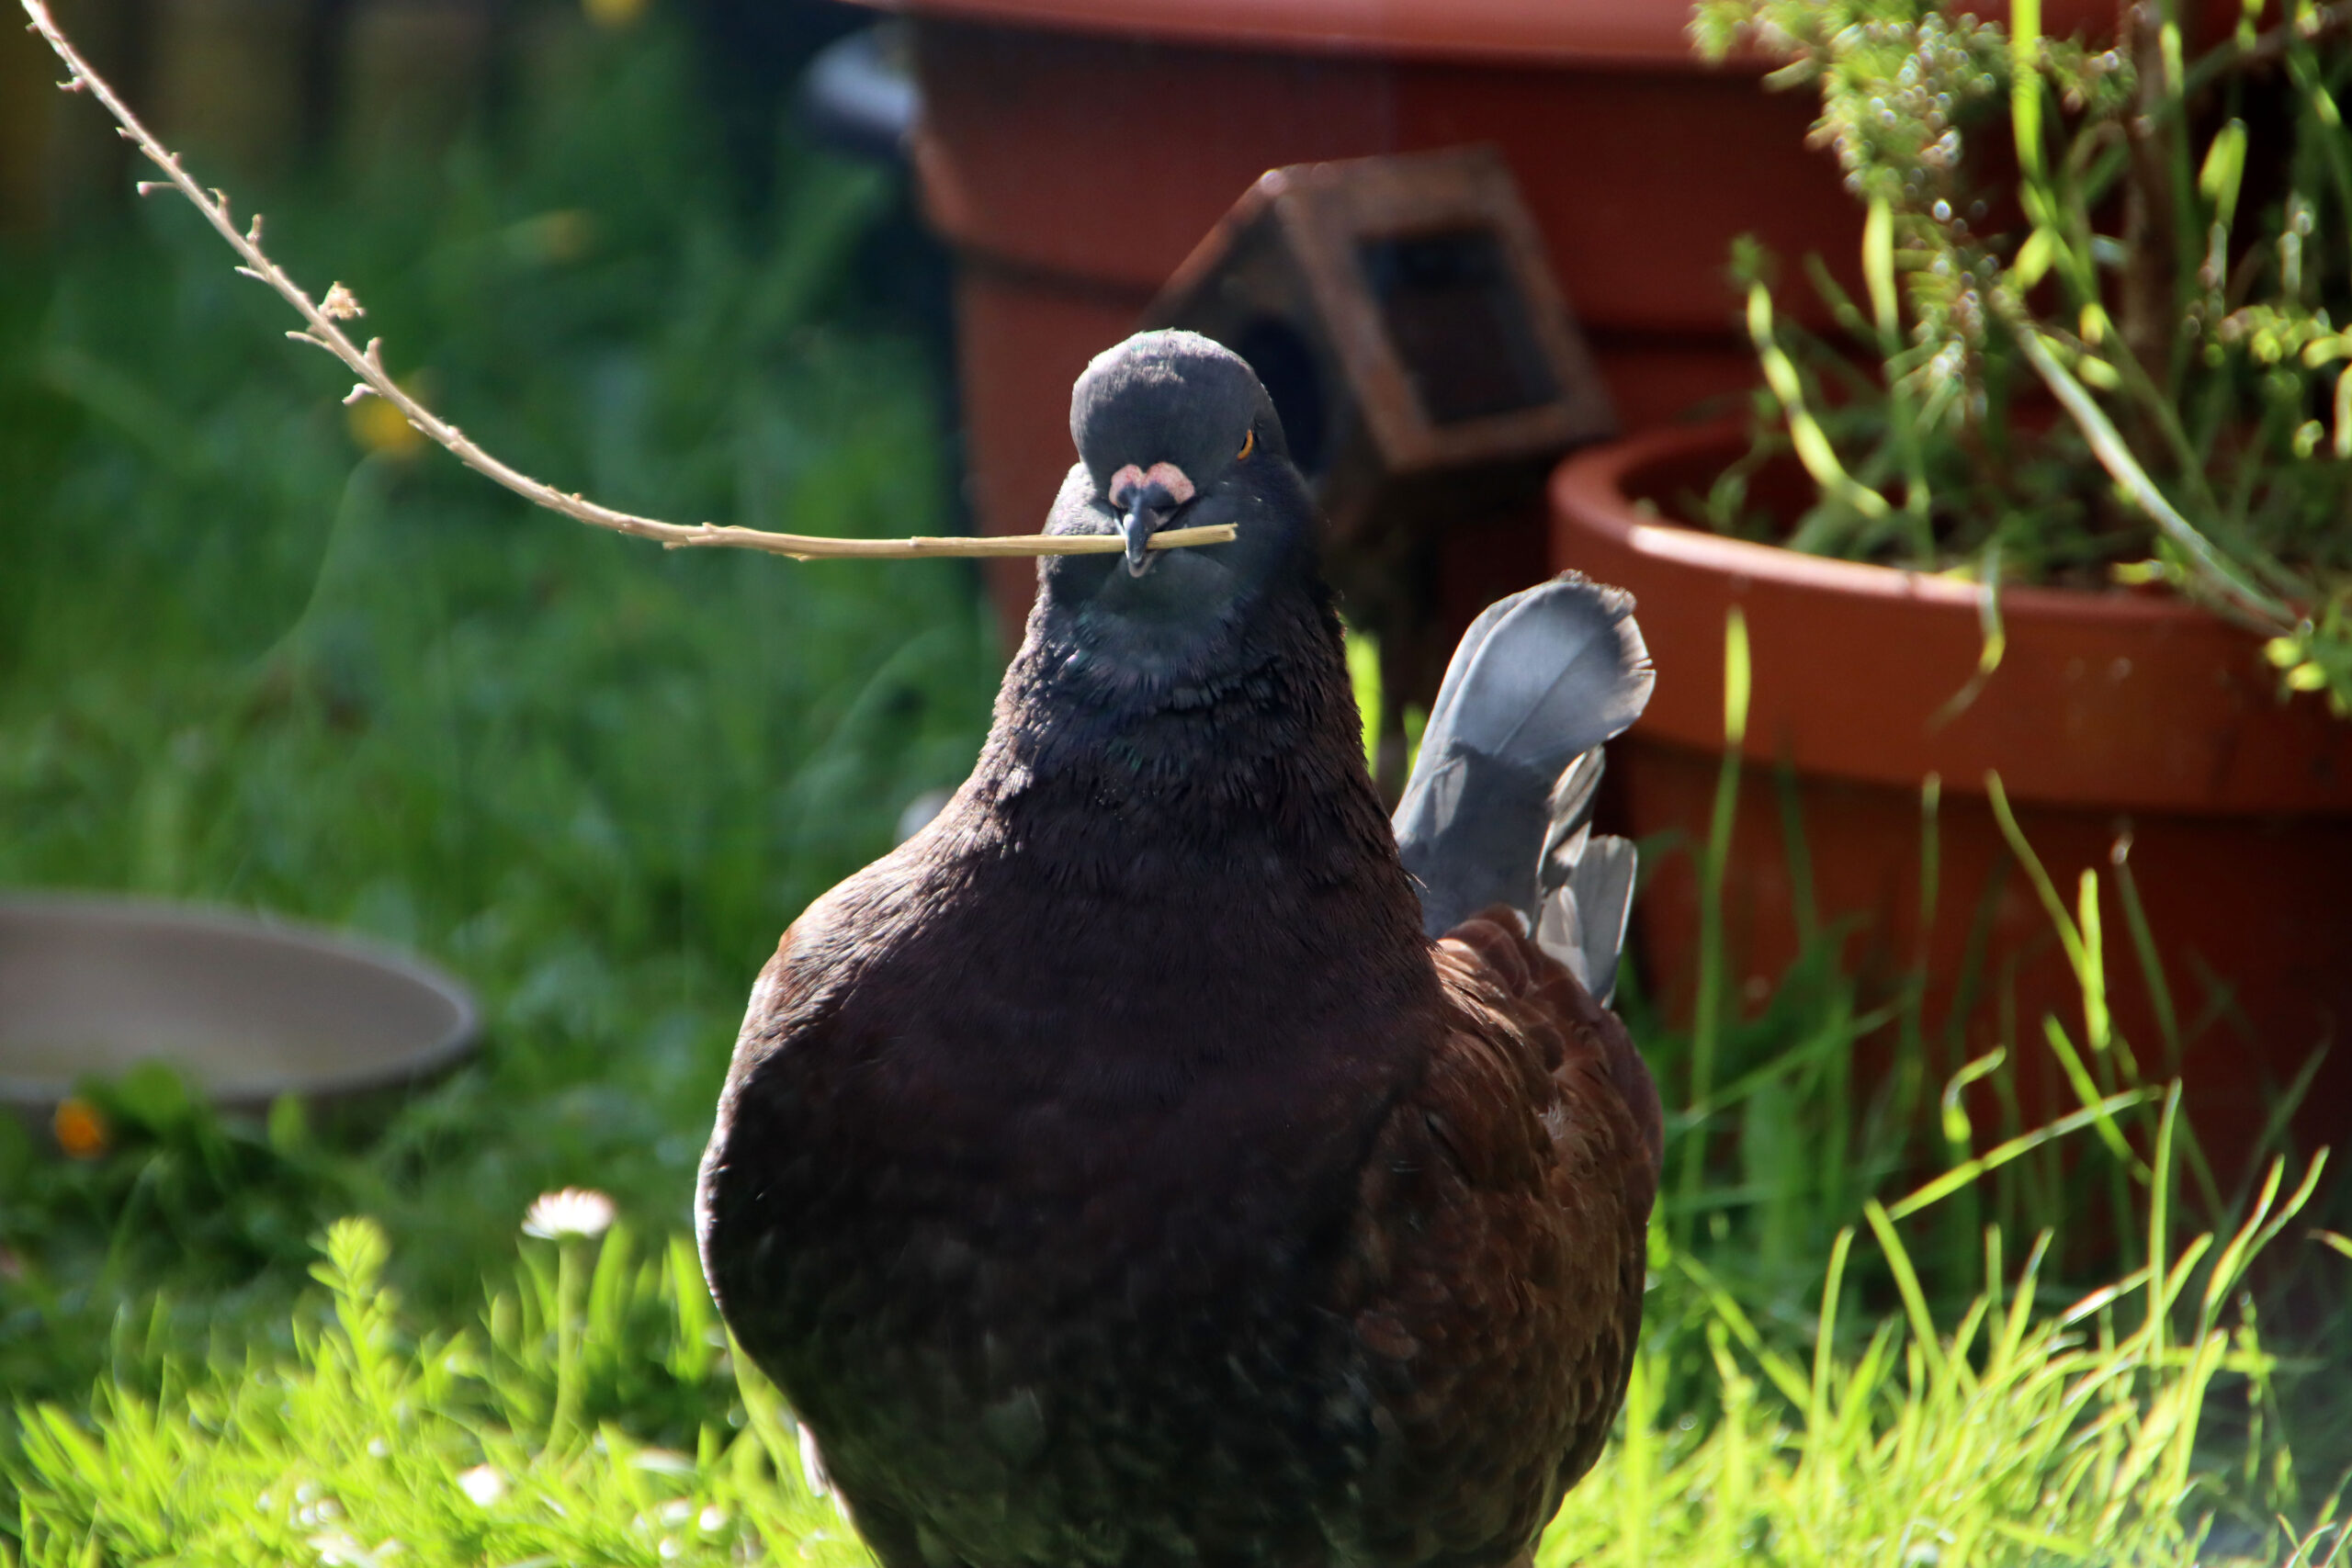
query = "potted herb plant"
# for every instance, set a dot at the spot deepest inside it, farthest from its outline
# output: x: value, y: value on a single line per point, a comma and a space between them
x: 2067, y: 499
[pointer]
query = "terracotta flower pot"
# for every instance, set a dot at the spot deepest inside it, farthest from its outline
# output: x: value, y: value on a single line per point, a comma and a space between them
x: 2113, y: 717
x: 1073, y: 151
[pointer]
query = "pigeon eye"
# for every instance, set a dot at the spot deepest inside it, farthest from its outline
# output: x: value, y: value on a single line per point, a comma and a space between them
x: 1248, y: 441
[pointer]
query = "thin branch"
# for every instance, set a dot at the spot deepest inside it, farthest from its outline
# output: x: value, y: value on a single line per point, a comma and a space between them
x: 321, y: 331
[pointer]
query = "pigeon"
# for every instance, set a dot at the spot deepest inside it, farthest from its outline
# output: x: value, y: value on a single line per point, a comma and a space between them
x: 1162, y: 1157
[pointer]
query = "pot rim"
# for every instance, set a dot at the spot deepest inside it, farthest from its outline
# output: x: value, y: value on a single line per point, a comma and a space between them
x: 1635, y: 35
x: 1620, y: 33
x: 2115, y: 701
x: 1591, y: 488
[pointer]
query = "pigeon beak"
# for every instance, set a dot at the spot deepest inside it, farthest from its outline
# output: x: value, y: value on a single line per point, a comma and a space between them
x: 1142, y: 521
x: 1146, y: 498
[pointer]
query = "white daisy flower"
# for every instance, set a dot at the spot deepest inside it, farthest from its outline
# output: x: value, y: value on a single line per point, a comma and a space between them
x: 576, y: 1211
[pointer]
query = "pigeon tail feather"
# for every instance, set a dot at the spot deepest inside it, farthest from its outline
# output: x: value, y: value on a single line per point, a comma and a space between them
x: 1500, y: 806
x: 1586, y: 883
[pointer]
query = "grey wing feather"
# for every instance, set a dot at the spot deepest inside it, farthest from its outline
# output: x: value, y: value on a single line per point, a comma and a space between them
x: 1569, y: 816
x: 1585, y: 881
x: 1550, y: 671
x: 1583, y: 919
x: 1499, y: 806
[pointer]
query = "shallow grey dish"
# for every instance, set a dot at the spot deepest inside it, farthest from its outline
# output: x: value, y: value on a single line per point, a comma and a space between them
x: 246, y: 1008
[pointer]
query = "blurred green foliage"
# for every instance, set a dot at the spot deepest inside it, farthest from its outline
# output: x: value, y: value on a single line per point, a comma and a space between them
x: 246, y: 660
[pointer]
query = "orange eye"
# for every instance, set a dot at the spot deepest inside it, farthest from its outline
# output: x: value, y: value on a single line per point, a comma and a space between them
x: 1248, y: 441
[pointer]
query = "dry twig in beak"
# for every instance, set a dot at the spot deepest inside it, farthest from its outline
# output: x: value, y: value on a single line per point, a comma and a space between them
x: 340, y: 304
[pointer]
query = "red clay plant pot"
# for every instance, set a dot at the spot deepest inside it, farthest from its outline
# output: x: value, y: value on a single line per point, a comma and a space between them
x: 2112, y: 716
x: 1074, y: 152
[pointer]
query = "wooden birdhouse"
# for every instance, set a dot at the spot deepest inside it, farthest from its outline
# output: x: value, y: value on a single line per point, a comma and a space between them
x: 1403, y: 318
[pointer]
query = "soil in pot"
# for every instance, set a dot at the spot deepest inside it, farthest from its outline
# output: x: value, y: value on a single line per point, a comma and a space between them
x: 2133, y: 734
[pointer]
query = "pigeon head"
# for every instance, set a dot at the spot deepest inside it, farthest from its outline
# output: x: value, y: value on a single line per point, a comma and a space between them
x: 1174, y: 431
x: 1161, y: 422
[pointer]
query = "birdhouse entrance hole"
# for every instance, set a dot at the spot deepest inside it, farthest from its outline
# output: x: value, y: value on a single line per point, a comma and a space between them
x: 1459, y: 323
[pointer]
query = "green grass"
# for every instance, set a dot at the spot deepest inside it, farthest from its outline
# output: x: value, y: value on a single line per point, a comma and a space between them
x: 592, y: 1416
x: 244, y: 660
x: 373, y: 1443
x: 2014, y: 1435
